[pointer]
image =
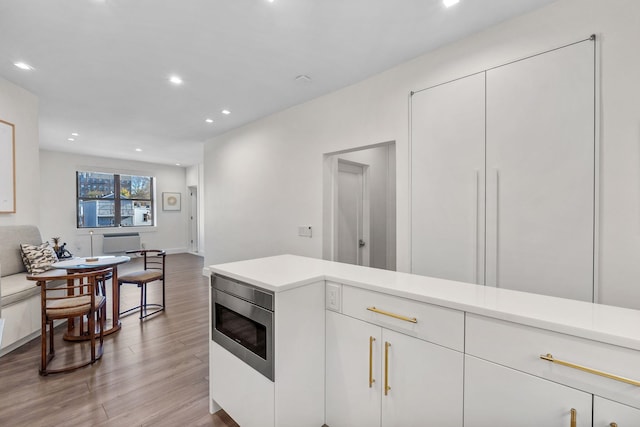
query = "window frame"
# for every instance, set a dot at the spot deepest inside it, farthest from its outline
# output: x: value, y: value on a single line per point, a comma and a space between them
x: 117, y: 200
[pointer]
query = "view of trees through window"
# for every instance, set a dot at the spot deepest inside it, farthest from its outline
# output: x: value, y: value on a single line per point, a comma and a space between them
x: 114, y: 200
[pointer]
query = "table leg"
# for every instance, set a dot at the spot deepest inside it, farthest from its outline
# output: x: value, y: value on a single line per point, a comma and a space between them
x: 115, y: 303
x: 71, y: 320
x: 76, y: 332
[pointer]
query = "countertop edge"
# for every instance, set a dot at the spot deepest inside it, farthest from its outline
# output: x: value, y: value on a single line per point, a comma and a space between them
x: 330, y: 271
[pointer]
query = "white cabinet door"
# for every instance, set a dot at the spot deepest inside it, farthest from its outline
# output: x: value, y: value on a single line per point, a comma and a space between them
x: 498, y: 396
x: 425, y: 382
x: 606, y: 412
x: 447, y: 180
x: 350, y: 401
x: 540, y: 174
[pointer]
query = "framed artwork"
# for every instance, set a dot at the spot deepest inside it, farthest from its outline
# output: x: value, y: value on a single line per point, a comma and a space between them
x: 7, y: 168
x: 170, y: 201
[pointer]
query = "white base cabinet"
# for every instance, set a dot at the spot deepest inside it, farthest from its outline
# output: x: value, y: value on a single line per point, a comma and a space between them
x: 423, y: 381
x: 607, y: 413
x: 294, y: 398
x: 498, y: 396
x: 350, y: 401
x: 407, y: 350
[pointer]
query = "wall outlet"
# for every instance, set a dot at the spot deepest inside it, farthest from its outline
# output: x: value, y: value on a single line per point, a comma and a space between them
x: 333, y: 297
x: 304, y: 231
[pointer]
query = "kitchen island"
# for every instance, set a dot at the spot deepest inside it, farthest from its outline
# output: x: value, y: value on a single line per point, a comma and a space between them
x: 363, y: 346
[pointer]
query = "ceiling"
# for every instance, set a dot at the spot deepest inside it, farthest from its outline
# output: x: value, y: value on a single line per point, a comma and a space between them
x: 102, y: 67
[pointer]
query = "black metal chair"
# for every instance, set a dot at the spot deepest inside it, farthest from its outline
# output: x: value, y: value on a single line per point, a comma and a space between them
x: 154, y: 269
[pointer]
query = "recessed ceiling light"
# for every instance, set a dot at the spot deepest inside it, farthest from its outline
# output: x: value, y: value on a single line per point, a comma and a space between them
x: 270, y: 1
x: 74, y: 134
x: 209, y: 120
x: 449, y: 3
x: 177, y: 164
x: 23, y: 66
x: 226, y: 112
x: 70, y: 139
x: 138, y: 149
x: 176, y: 80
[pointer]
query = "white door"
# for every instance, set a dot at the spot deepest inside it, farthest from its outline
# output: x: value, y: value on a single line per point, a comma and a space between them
x: 425, y: 380
x: 540, y: 174
x: 193, y: 219
x: 352, y: 214
x: 606, y: 412
x: 499, y: 396
x: 352, y: 352
x: 447, y: 180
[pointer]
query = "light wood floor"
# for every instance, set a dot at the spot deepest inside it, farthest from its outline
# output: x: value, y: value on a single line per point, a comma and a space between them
x: 153, y: 372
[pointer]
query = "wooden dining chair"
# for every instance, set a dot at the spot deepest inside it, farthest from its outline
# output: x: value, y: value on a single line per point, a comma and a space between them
x: 81, y: 299
x: 154, y: 271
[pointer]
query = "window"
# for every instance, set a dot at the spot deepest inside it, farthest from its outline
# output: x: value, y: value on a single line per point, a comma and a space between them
x: 112, y: 200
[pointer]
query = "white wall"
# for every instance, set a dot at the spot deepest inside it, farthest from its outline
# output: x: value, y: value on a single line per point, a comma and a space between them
x: 58, y: 218
x: 266, y: 178
x: 20, y: 107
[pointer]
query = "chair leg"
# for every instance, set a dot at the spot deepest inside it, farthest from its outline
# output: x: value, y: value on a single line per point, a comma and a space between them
x: 52, y: 350
x: 92, y: 334
x: 143, y: 298
x: 46, y: 358
x: 163, y: 303
x: 103, y: 321
x: 43, y: 349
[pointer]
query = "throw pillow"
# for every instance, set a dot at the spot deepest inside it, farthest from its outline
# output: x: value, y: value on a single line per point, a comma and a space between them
x: 38, y: 258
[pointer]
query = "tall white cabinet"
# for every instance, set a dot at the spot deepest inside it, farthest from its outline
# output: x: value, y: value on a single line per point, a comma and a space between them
x: 503, y: 176
x: 447, y: 170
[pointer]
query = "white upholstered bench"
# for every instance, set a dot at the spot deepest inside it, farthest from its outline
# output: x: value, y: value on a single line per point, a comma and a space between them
x: 19, y: 297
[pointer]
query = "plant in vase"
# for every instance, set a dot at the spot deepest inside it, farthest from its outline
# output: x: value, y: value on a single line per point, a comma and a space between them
x: 56, y: 244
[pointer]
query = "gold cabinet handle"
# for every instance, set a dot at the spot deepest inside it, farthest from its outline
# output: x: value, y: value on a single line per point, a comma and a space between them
x: 371, y: 379
x: 395, y: 316
x: 386, y: 367
x: 613, y: 425
x: 574, y: 414
x: 549, y: 357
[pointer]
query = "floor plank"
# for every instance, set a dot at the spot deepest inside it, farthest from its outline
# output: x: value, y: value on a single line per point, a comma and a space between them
x: 153, y: 372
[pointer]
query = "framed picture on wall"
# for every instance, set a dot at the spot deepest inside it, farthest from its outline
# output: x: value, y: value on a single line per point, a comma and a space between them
x: 7, y: 168
x: 170, y: 201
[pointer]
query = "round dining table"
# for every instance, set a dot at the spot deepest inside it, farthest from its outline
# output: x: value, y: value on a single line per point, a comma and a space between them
x: 78, y: 264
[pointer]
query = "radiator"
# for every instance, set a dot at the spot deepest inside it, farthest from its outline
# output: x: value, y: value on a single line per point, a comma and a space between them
x: 120, y: 242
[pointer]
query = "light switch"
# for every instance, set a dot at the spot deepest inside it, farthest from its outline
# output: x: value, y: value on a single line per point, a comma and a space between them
x: 304, y: 231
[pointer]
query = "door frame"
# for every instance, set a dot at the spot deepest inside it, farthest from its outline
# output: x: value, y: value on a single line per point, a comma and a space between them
x: 194, y: 243
x: 328, y: 202
x: 364, y: 255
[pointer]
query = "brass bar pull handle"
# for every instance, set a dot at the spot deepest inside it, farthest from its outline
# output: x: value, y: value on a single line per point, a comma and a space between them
x: 386, y: 367
x: 371, y: 379
x: 394, y: 315
x: 549, y: 357
x: 574, y: 414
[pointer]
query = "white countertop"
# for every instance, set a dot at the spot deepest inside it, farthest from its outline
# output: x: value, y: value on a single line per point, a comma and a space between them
x: 613, y: 325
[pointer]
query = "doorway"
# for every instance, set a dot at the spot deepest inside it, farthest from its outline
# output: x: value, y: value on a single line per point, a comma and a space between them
x: 352, y: 210
x: 359, y: 206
